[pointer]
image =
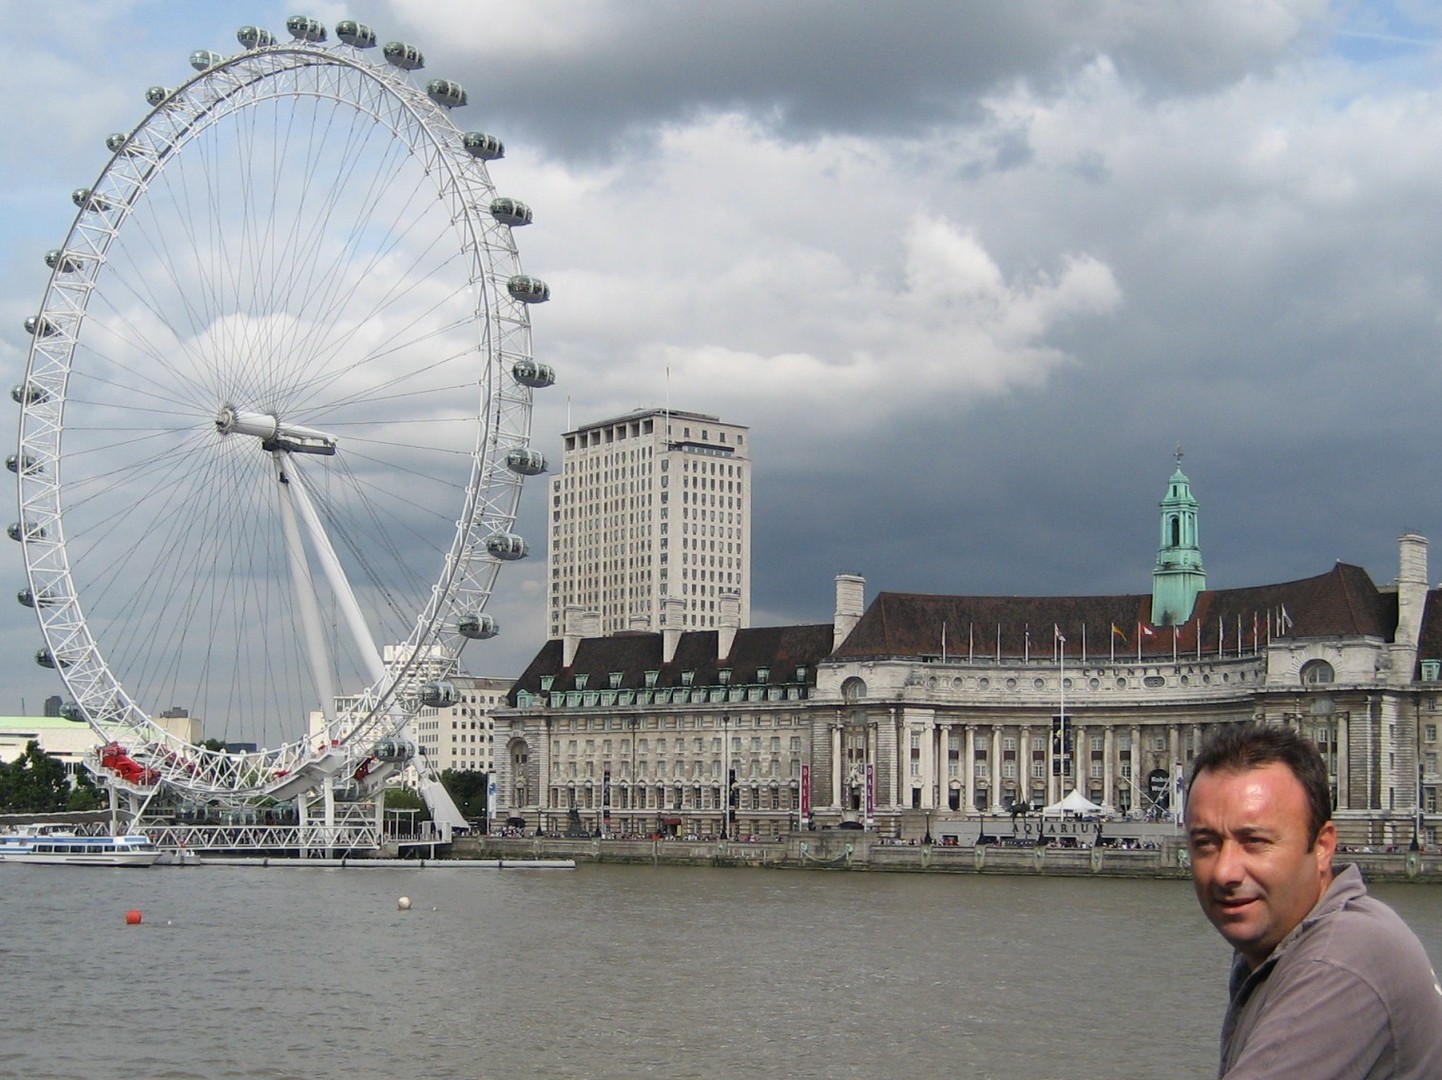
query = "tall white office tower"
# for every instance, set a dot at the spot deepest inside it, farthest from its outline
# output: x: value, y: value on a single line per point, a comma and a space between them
x: 651, y: 511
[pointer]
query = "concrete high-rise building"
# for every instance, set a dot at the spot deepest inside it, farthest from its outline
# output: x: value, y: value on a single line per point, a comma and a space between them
x: 650, y: 525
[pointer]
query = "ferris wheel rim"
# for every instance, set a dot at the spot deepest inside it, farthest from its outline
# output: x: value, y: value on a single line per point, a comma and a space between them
x: 492, y: 491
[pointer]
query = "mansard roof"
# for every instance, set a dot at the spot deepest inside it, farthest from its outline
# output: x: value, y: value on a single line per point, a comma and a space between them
x: 1341, y: 602
x: 780, y: 649
x: 1429, y: 643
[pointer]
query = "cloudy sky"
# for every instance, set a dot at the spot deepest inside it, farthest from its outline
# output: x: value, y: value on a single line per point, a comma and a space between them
x: 970, y: 272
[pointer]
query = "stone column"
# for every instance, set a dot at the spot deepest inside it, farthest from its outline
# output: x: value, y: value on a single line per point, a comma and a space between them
x: 968, y: 766
x: 1109, y: 761
x: 996, y: 788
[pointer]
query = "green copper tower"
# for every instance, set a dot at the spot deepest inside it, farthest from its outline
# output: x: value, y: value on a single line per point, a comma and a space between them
x: 1179, y: 575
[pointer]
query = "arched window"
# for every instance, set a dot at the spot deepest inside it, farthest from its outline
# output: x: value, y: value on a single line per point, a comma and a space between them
x: 853, y: 689
x: 1316, y: 672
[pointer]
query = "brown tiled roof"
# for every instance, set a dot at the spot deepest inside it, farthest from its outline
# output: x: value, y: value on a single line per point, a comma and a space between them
x: 1343, y: 601
x: 782, y: 649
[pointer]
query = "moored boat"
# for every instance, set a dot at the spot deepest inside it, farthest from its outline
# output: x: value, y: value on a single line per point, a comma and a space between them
x: 72, y: 850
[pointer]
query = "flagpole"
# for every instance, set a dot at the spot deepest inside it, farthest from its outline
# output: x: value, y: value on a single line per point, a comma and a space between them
x: 1061, y: 701
x: 1139, y: 642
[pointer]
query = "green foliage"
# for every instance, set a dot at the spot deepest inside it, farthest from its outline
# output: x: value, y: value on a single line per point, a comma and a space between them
x: 35, y: 783
x: 468, y: 789
x: 399, y: 798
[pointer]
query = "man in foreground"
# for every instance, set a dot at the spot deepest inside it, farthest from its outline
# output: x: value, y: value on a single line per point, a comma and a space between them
x: 1327, y: 981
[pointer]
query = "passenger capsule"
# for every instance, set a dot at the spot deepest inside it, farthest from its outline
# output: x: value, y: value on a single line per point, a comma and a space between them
x: 394, y: 750
x: 89, y: 200
x: 72, y: 711
x: 480, y: 145
x: 254, y: 37
x: 511, y: 212
x: 439, y: 694
x: 406, y: 57
x: 28, y: 393
x: 46, y: 659
x: 444, y: 92
x: 33, y: 532
x: 527, y: 289
x: 62, y: 261
x: 530, y: 373
x: 157, y: 94
x: 356, y: 35
x: 204, y: 59
x: 39, y: 326
x: 477, y: 627
x: 31, y: 465
x: 507, y: 546
x: 116, y: 142
x: 525, y: 462
x: 303, y: 29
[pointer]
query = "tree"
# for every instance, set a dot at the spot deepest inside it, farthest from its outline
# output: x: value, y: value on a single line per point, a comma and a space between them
x: 468, y: 788
x: 34, y: 783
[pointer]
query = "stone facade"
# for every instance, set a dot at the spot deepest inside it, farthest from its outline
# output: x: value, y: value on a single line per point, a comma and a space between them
x: 918, y: 709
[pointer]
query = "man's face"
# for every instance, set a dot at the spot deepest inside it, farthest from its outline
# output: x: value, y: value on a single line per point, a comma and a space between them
x: 1254, y: 875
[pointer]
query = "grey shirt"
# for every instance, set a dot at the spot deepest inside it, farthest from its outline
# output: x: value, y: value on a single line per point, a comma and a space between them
x: 1348, y: 993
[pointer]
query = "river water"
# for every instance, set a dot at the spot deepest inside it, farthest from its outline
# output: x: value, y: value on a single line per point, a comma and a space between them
x: 609, y: 971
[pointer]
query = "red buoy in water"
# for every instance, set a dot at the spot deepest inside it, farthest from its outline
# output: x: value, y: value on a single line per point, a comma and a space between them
x: 132, y: 917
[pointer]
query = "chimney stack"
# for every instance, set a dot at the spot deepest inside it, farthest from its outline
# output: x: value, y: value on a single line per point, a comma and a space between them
x: 576, y: 622
x: 850, y: 603
x: 673, y: 619
x: 728, y: 623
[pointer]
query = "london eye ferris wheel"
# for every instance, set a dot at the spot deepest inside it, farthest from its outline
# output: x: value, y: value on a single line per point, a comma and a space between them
x: 276, y: 414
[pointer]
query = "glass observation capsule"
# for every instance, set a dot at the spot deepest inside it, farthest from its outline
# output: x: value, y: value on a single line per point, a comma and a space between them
x: 439, y: 694
x: 534, y: 374
x: 444, y: 92
x: 481, y: 145
x: 406, y: 57
x: 355, y: 34
x: 527, y: 289
x: 523, y: 461
x: 478, y: 626
x: 254, y: 37
x: 304, y: 29
x: 511, y: 212
x: 507, y: 546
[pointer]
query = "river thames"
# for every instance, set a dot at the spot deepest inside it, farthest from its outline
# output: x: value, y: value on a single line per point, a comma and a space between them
x: 611, y: 971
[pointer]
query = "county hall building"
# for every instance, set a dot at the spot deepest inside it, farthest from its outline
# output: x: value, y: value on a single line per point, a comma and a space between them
x: 913, y: 710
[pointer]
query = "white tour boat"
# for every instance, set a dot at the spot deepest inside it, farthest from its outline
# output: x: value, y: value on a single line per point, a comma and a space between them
x: 73, y: 850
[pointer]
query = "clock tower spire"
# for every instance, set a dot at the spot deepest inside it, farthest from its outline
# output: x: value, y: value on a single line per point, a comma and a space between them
x: 1179, y: 576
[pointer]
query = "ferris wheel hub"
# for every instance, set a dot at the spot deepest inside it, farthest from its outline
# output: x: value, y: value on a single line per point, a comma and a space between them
x: 273, y: 433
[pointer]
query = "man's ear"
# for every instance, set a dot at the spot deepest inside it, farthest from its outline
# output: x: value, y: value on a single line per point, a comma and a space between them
x: 1326, y: 846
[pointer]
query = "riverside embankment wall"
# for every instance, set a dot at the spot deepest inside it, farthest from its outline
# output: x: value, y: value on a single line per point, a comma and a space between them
x: 850, y: 850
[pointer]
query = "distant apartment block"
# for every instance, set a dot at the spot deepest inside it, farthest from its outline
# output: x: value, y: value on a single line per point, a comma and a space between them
x: 651, y: 511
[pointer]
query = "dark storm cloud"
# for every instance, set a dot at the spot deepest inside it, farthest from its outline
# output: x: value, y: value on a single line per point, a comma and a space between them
x: 809, y: 67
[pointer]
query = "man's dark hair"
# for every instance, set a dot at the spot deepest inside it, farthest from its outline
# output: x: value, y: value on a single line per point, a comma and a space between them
x: 1250, y: 745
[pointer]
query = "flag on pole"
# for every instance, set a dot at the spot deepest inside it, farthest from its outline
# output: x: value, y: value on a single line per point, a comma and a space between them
x: 1284, y: 623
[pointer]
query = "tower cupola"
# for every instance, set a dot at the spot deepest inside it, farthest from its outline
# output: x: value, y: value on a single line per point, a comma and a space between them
x: 1179, y: 576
